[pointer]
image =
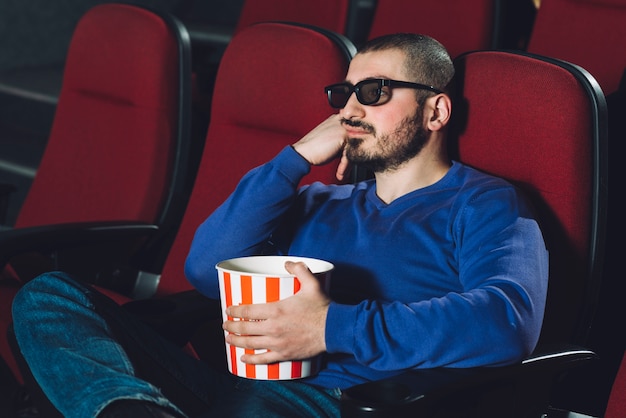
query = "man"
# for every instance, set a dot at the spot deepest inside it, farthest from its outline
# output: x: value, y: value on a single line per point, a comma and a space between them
x: 436, y: 264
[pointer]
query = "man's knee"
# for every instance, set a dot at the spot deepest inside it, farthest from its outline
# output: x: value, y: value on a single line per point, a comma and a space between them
x: 42, y: 290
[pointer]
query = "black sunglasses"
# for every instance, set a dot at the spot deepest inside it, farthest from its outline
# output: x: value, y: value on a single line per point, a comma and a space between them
x: 369, y: 92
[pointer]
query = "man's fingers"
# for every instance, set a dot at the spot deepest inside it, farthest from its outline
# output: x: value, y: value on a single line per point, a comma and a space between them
x: 343, y: 167
x: 300, y: 270
x: 247, y: 341
x: 254, y: 312
x: 255, y: 343
x: 264, y: 358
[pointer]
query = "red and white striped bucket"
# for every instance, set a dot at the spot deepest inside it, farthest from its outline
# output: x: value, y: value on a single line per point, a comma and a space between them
x: 262, y: 279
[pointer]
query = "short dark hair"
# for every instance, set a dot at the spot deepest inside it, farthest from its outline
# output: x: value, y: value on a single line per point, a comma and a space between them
x: 427, y: 60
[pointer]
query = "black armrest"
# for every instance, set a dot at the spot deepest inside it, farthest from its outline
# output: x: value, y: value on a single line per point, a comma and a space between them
x: 55, y: 237
x: 519, y: 390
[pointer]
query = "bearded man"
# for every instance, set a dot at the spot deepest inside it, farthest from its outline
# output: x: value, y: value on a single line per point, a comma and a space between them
x: 436, y: 264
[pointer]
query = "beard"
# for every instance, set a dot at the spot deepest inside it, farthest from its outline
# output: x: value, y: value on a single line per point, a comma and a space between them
x: 392, y: 149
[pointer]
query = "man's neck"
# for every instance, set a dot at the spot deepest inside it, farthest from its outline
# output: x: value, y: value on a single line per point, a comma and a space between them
x: 422, y: 171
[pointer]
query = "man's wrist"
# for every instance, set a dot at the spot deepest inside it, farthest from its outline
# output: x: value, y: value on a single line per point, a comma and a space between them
x: 300, y: 154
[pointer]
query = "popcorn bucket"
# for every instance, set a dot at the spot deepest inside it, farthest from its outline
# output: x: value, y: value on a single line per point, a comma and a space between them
x: 263, y: 279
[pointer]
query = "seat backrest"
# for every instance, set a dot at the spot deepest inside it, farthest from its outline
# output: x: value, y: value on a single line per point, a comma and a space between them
x: 209, y: 41
x: 460, y: 25
x: 510, y: 120
x: 120, y: 140
x: 269, y: 92
x: 589, y: 33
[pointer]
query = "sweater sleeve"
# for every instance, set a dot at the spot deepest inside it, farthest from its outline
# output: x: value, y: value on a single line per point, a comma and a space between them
x: 503, y: 271
x: 243, y: 224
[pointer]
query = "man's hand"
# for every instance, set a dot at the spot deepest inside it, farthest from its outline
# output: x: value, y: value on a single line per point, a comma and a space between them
x: 325, y: 143
x: 291, y: 329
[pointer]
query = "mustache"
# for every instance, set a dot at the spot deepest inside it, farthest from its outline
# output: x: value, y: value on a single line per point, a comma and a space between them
x: 358, y: 124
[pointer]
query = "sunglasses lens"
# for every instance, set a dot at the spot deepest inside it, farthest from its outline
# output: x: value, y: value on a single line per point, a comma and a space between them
x: 369, y: 92
x: 338, y: 95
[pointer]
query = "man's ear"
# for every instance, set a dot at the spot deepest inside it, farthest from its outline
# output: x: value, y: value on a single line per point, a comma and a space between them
x: 440, y: 107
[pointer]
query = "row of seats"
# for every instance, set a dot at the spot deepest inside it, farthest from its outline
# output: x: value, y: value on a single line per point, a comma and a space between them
x: 572, y: 30
x: 221, y: 141
x: 484, y: 23
x: 567, y: 29
x: 468, y: 26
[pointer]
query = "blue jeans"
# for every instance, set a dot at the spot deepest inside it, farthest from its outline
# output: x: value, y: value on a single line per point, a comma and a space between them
x: 85, y: 351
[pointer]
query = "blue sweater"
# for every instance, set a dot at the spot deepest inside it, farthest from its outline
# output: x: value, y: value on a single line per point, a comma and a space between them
x: 454, y: 274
